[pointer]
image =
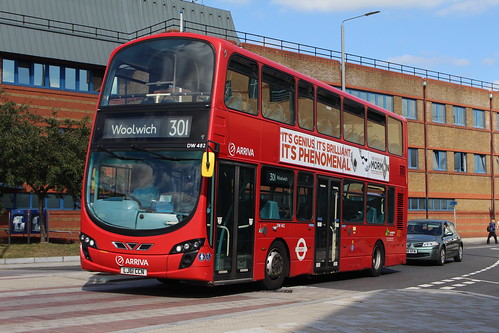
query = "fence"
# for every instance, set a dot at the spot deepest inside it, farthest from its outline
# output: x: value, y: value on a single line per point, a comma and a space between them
x: 102, y: 34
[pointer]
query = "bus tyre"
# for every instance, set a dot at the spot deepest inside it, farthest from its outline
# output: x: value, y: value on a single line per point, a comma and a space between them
x: 377, y: 261
x: 276, y: 267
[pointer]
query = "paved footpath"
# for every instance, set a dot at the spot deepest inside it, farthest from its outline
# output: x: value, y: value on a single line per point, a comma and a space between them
x: 85, y: 302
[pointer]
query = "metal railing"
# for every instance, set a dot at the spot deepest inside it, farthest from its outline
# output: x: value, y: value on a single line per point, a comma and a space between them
x: 115, y: 36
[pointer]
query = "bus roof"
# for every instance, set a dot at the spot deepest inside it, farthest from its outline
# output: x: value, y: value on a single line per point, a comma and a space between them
x: 220, y: 44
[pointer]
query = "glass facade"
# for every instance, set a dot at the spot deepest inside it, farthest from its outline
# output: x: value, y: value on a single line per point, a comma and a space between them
x: 43, y: 75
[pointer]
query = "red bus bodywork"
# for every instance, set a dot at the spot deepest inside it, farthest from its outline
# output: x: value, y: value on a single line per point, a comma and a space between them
x: 251, y: 144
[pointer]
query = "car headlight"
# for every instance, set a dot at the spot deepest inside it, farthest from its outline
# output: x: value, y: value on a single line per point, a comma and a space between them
x: 428, y: 244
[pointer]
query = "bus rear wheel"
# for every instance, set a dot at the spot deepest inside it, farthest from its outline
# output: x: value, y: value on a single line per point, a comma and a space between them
x: 378, y: 260
x: 276, y: 267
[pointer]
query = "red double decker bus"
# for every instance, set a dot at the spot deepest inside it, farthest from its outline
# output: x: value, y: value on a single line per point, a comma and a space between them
x: 210, y: 163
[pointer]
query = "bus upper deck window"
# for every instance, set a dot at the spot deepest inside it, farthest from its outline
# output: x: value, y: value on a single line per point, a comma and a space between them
x: 278, y: 96
x: 241, y: 85
x: 353, y: 122
x: 328, y: 113
x: 395, y: 139
x: 166, y: 70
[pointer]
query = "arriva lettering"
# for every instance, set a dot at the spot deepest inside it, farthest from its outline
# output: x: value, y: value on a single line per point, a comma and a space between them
x: 136, y: 262
x: 245, y: 151
x: 133, y: 130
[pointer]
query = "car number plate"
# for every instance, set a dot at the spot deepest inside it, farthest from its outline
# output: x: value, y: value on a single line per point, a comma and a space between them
x: 133, y: 271
x: 412, y: 251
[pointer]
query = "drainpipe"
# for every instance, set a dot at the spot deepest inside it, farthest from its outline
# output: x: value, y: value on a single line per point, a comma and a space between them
x: 425, y: 149
x: 492, y: 160
x: 181, y: 21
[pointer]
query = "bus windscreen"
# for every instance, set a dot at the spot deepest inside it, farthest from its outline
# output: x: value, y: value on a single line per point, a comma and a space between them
x: 161, y: 71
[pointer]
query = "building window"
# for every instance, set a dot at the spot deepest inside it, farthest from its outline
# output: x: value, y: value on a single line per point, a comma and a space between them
x: 381, y: 100
x: 26, y: 73
x: 39, y: 74
x: 459, y: 114
x: 54, y: 76
x: 433, y: 204
x: 478, y: 118
x: 413, y: 158
x: 30, y: 201
x: 8, y: 71
x: 70, y: 78
x: 23, y: 72
x: 439, y: 160
x: 460, y: 162
x: 438, y: 113
x: 480, y: 164
x: 409, y: 108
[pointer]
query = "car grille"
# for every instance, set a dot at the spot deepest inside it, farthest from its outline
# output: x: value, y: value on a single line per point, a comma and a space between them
x: 417, y: 255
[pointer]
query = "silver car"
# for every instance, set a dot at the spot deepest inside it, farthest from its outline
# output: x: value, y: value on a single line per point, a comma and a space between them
x: 433, y: 240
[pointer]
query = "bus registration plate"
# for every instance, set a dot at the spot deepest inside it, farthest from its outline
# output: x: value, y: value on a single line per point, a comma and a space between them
x: 133, y: 271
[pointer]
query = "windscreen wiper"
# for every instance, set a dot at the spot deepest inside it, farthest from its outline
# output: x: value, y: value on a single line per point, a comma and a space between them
x: 161, y: 156
x: 113, y: 154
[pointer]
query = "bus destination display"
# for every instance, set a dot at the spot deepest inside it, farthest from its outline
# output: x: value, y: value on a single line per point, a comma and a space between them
x: 147, y: 127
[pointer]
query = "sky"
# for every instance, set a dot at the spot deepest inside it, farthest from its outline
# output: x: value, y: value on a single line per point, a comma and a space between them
x: 456, y: 37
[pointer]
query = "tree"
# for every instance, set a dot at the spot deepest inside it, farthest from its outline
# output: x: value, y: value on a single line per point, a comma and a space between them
x: 44, y: 153
x: 14, y: 130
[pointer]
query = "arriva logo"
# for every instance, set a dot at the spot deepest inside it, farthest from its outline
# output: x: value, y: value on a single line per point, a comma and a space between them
x: 131, y: 261
x: 236, y: 150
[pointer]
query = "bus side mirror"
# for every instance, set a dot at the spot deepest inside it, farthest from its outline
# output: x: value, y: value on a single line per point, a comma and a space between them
x: 208, y: 164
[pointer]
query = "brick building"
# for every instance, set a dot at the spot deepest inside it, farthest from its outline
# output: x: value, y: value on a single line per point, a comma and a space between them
x: 453, y: 133
x: 53, y: 55
x: 453, y: 122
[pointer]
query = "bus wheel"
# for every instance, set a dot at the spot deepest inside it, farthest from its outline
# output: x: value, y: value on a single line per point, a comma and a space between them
x: 378, y: 260
x: 276, y: 267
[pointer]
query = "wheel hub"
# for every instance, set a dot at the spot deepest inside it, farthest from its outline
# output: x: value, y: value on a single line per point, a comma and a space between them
x: 274, y: 265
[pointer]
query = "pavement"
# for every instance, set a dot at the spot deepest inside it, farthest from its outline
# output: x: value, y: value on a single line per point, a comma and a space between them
x: 76, y: 259
x: 312, y: 309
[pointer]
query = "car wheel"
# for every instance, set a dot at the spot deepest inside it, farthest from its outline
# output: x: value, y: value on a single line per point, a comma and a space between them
x: 441, y: 257
x: 276, y: 267
x: 378, y: 260
x: 459, y: 255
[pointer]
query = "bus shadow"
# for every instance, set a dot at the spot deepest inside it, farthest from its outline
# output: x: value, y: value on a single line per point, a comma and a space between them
x: 103, y: 283
x: 177, y: 289
x: 319, y: 280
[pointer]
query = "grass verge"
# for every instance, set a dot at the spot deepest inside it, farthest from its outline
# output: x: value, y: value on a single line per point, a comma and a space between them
x: 17, y: 250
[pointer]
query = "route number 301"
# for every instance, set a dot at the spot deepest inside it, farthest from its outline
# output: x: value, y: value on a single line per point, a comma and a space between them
x: 179, y: 127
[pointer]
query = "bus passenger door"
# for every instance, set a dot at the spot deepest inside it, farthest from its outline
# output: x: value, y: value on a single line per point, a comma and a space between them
x: 235, y: 216
x: 327, y: 225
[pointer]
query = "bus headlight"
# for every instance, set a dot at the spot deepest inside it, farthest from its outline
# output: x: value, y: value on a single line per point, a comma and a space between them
x: 189, y: 250
x: 87, y: 241
x: 187, y: 246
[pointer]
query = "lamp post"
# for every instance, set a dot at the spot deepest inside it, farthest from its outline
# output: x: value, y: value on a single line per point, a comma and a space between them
x: 343, y: 45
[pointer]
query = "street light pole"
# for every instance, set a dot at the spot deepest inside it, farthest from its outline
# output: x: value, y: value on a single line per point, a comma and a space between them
x: 343, y: 45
